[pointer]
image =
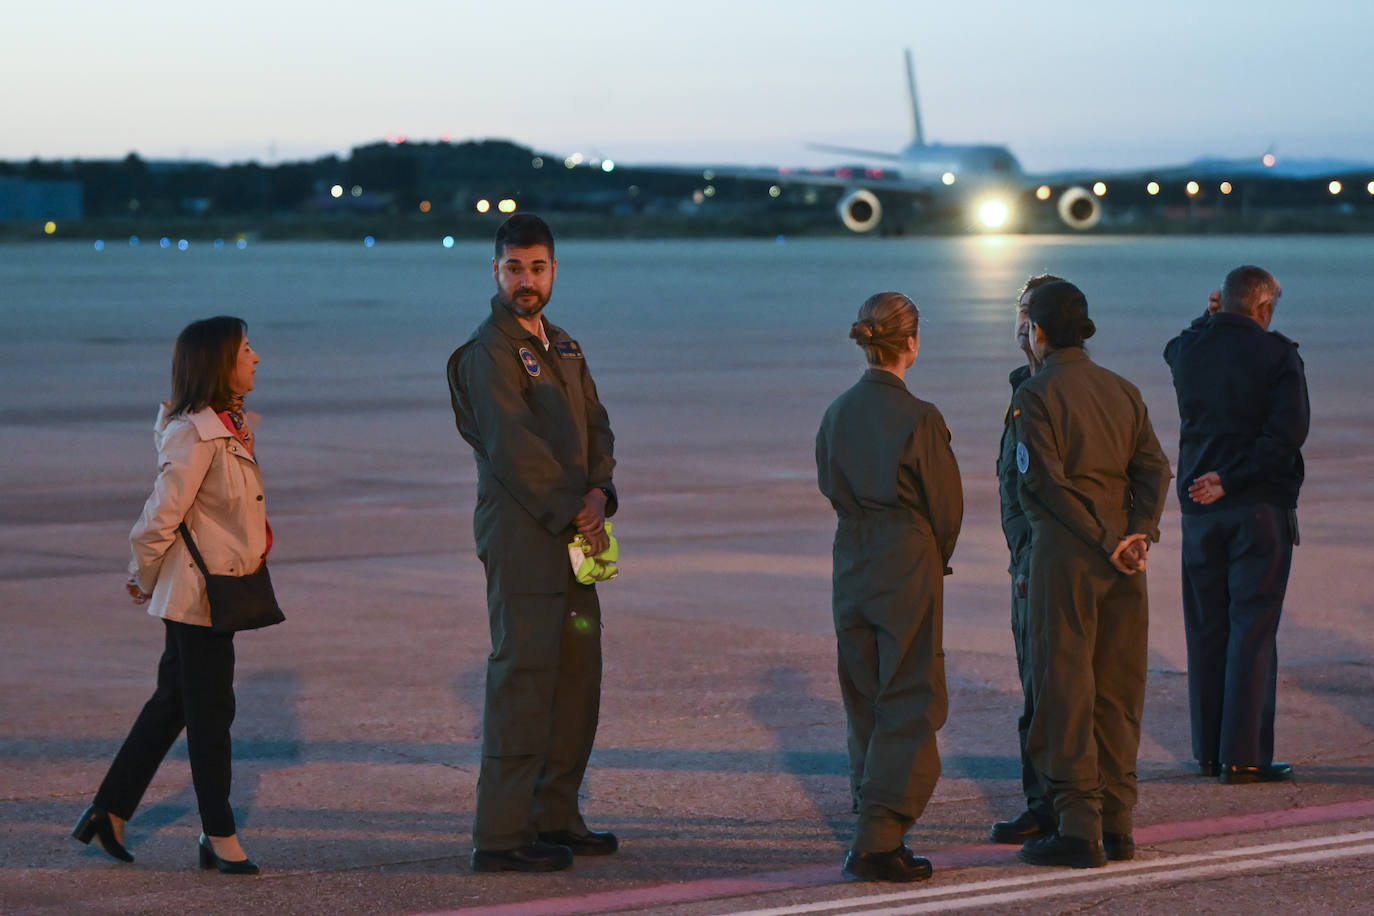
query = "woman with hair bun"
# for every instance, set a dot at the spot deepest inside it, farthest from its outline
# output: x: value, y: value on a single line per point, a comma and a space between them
x: 884, y: 461
x: 1092, y: 480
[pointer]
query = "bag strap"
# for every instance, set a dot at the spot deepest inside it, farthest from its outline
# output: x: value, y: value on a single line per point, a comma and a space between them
x: 191, y: 546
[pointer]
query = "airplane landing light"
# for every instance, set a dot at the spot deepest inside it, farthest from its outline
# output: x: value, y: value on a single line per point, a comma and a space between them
x: 607, y: 165
x: 1042, y: 192
x: 1192, y: 188
x: 993, y: 214
x: 1100, y: 188
x: 947, y: 178
x: 1226, y: 187
x: 506, y: 205
x: 483, y: 205
x: 1334, y: 187
x: 1152, y: 188
x: 336, y: 191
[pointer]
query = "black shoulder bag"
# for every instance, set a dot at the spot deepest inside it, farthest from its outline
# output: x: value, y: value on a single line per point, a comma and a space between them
x: 237, y: 602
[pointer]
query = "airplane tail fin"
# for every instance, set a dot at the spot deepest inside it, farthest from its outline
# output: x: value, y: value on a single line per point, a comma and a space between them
x: 918, y: 137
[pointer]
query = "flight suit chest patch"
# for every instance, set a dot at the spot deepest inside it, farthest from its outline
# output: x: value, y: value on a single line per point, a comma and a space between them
x: 531, y: 364
x: 568, y: 349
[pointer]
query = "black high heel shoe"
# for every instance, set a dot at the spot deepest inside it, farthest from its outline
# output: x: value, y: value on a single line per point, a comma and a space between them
x: 95, y: 825
x: 210, y: 859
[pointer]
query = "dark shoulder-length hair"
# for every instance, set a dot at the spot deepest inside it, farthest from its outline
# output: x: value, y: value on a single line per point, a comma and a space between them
x: 203, y: 360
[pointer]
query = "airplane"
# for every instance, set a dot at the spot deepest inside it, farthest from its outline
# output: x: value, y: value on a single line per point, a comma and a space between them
x: 985, y: 181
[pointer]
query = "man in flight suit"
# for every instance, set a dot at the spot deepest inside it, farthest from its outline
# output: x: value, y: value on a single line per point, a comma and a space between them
x: 525, y: 401
x: 1038, y: 818
x: 1243, y: 417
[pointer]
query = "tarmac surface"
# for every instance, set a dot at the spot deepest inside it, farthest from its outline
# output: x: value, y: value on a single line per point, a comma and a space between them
x: 720, y: 756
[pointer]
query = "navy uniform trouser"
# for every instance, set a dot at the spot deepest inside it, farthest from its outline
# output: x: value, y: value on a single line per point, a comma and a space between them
x: 1235, y: 573
x: 1088, y: 628
x: 1037, y: 799
x: 539, y: 721
x: 195, y: 691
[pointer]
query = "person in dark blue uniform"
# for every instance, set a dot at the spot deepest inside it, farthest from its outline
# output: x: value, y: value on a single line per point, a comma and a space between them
x: 884, y: 461
x: 1038, y: 818
x: 525, y: 401
x: 1093, y: 484
x: 1243, y: 418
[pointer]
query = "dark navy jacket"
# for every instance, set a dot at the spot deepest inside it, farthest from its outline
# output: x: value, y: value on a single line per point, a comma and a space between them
x: 1243, y: 411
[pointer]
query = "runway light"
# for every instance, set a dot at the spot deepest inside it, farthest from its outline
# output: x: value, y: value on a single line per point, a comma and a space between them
x: 537, y: 162
x: 424, y: 206
x: 133, y: 241
x: 1192, y: 188
x: 708, y: 175
x: 607, y: 165
x: 99, y: 244
x: 1226, y: 187
x: 993, y: 214
x: 698, y: 198
x: 506, y: 205
x: 182, y: 245
x: 1100, y: 188
x: 241, y: 244
x: 483, y: 205
x: 357, y: 190
x: 1152, y: 188
x: 164, y: 242
x: 709, y: 190
x: 775, y: 191
x: 336, y: 191
x: 947, y: 178
x: 448, y: 241
x: 1268, y: 160
x: 1334, y: 187
x: 1043, y: 192
x: 49, y: 227
x: 369, y: 241
x: 1370, y: 187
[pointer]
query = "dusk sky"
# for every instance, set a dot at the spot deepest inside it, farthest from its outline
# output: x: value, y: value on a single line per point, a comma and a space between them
x: 1063, y: 84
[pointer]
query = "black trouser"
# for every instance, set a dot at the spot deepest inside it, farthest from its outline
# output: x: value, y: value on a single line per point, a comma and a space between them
x: 195, y: 691
x: 539, y: 720
x: 1235, y: 573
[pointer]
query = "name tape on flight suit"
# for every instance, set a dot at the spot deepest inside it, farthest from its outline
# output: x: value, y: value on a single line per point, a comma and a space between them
x: 568, y: 349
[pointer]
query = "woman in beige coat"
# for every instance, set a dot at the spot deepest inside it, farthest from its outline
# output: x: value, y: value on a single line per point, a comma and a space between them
x: 207, y: 476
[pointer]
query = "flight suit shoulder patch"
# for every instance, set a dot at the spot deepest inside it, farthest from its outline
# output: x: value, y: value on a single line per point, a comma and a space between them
x: 568, y: 349
x: 1022, y: 458
x: 531, y: 364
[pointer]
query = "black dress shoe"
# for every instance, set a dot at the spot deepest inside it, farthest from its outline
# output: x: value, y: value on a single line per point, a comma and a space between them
x: 1057, y: 849
x: 1209, y: 768
x: 899, y: 864
x: 591, y: 843
x: 1267, y: 772
x: 95, y: 825
x: 1119, y: 847
x: 1027, y: 826
x: 532, y: 857
x: 210, y: 859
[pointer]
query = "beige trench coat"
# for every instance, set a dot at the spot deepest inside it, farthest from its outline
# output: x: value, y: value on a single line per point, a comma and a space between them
x: 207, y: 477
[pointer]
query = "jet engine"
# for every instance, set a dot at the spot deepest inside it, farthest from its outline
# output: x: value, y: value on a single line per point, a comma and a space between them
x: 860, y: 210
x: 1079, y: 209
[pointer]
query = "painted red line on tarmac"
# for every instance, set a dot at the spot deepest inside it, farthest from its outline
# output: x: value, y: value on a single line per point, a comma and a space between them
x: 948, y: 857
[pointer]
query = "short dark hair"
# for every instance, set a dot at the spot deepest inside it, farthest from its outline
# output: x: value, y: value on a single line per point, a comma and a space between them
x: 886, y: 321
x: 203, y: 360
x: 521, y: 231
x: 1061, y: 310
x: 1034, y: 282
x: 1247, y: 288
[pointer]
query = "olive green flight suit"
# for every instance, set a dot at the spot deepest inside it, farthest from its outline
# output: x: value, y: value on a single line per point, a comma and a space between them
x: 884, y: 461
x: 1092, y: 472
x: 1017, y: 530
x: 542, y: 440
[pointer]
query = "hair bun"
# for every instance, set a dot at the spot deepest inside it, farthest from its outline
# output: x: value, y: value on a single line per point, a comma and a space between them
x: 863, y: 331
x: 1087, y: 328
